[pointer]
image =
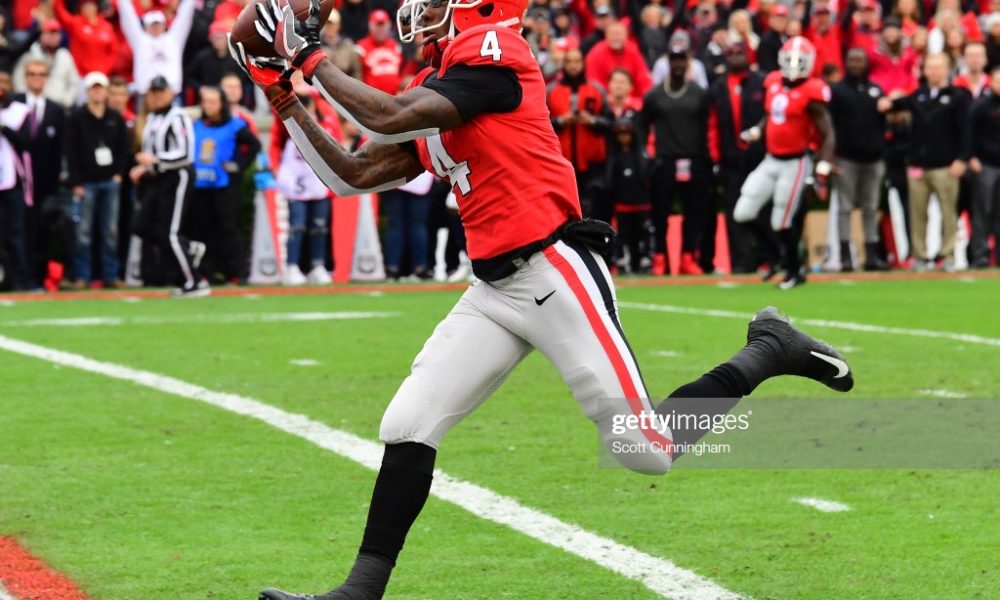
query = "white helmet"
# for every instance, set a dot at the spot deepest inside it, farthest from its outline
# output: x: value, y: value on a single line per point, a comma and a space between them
x: 796, y: 58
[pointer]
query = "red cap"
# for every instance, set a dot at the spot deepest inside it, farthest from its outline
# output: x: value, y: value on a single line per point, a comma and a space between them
x: 51, y: 25
x: 378, y: 16
x: 869, y: 5
x: 218, y: 28
x: 779, y: 10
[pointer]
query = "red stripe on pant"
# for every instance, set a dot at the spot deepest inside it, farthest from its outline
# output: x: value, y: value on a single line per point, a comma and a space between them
x: 590, y: 309
x: 793, y: 197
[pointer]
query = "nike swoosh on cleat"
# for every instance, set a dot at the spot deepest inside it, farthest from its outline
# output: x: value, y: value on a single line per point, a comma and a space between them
x: 544, y: 298
x: 842, y: 368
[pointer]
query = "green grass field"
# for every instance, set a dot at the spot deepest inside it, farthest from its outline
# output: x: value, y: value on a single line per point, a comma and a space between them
x: 137, y: 494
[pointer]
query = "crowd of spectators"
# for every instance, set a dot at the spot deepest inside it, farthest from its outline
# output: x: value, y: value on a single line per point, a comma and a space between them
x: 648, y: 100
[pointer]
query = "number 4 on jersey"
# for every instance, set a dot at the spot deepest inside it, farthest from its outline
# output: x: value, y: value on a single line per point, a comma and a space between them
x: 491, y: 46
x: 445, y: 165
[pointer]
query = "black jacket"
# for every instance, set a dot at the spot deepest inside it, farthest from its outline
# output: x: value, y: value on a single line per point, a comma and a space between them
x: 85, y: 135
x: 858, y: 125
x: 939, y: 133
x: 45, y: 147
x: 732, y: 156
x: 767, y: 51
x: 984, y: 122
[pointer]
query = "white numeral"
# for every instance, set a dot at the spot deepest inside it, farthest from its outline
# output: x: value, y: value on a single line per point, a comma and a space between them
x: 445, y: 166
x: 491, y: 46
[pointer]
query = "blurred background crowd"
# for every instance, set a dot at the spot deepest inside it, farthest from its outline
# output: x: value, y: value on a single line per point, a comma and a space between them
x: 643, y: 149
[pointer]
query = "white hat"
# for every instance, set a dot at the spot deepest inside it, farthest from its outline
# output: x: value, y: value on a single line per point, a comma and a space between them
x: 153, y: 16
x: 95, y: 78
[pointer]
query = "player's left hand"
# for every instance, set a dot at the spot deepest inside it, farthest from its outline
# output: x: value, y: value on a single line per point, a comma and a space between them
x: 296, y: 41
x: 262, y: 71
x: 822, y: 187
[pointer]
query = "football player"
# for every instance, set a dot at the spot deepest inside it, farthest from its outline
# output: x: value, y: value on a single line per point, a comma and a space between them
x: 796, y: 113
x: 479, y: 119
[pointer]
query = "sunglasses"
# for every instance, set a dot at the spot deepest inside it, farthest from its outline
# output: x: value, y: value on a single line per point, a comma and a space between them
x: 36, y: 74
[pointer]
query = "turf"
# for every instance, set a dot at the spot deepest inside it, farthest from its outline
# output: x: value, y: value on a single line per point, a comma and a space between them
x: 137, y: 494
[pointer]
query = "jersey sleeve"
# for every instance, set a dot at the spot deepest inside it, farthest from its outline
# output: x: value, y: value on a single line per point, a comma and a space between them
x: 819, y: 91
x: 478, y: 89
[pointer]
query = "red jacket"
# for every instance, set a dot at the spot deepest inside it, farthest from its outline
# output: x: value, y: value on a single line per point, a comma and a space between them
x: 581, y: 144
x: 602, y: 60
x: 828, y: 48
x: 894, y: 73
x: 94, y: 46
x: 381, y: 64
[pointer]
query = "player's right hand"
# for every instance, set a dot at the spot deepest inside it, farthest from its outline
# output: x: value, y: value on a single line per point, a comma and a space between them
x: 296, y: 41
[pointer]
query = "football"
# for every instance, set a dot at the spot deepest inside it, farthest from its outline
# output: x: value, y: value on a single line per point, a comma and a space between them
x: 245, y: 32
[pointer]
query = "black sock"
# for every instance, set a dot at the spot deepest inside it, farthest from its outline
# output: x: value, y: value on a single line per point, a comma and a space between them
x: 714, y: 393
x: 790, y: 242
x: 402, y: 487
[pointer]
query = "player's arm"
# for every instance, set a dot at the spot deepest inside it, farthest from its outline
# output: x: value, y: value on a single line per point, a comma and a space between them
x: 384, y: 118
x: 824, y: 125
x: 374, y: 167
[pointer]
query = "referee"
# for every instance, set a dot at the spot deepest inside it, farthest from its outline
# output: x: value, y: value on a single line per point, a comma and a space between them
x: 164, y: 170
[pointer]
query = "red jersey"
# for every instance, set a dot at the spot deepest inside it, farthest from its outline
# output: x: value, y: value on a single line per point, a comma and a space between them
x: 381, y: 64
x: 789, y: 127
x: 512, y: 183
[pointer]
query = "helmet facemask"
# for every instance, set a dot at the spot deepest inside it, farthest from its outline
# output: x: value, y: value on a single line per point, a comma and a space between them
x: 410, y: 11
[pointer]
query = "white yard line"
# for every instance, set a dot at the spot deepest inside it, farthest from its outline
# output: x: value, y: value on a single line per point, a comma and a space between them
x: 822, y: 505
x: 658, y: 574
x: 848, y: 325
x: 4, y: 594
x: 304, y: 362
x: 943, y: 393
x: 207, y: 319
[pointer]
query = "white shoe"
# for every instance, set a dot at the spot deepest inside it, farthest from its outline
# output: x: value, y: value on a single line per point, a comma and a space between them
x: 294, y: 276
x: 319, y: 276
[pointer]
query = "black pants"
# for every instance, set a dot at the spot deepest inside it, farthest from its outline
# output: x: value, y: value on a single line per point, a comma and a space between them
x: 744, y: 254
x: 213, y: 217
x: 634, y: 234
x: 696, y: 205
x: 13, y: 235
x: 163, y: 199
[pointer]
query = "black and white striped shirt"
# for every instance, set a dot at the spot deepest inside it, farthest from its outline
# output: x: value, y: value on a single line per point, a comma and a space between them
x: 170, y: 137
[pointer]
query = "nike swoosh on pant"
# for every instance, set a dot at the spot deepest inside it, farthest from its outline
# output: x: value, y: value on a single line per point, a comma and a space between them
x: 842, y: 368
x: 544, y: 298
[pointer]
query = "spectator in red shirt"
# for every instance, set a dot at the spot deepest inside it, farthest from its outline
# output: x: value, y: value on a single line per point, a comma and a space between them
x: 576, y: 105
x: 23, y: 13
x: 92, y: 39
x: 909, y: 15
x: 973, y: 77
x: 862, y: 27
x: 381, y: 55
x: 617, y: 51
x: 893, y: 66
x: 825, y: 37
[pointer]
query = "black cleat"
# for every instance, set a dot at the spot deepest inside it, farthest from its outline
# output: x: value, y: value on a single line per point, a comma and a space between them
x: 795, y: 280
x: 800, y: 354
x: 273, y: 594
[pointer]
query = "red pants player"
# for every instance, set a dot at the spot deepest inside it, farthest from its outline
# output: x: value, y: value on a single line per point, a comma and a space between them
x: 478, y: 117
x: 796, y: 113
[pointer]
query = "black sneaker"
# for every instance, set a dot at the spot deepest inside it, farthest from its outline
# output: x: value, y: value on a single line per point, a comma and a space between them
x: 337, y: 594
x: 772, y: 271
x: 793, y: 280
x: 801, y: 354
x: 196, y: 290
